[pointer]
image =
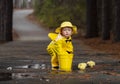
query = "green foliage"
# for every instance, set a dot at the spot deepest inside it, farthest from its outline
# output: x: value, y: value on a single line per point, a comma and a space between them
x: 53, y: 12
x: 37, y: 6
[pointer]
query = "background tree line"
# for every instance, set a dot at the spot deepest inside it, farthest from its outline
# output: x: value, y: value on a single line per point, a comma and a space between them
x: 98, y: 18
x: 6, y: 17
x: 23, y: 4
x: 53, y: 12
x: 103, y: 19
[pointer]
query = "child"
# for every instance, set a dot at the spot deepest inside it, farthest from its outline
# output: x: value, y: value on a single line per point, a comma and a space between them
x: 61, y: 48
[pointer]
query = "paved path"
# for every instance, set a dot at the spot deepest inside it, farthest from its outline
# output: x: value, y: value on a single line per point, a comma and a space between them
x: 26, y: 29
x: 27, y: 62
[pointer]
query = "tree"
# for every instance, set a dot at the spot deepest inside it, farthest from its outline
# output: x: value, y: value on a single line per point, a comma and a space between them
x: 92, y: 22
x: 116, y: 30
x: 99, y: 15
x: 106, y: 19
x: 6, y: 12
x: 53, y: 12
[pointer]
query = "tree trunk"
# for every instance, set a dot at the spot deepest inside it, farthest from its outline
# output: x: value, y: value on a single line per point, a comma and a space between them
x: 9, y: 20
x: 99, y: 14
x: 92, y: 23
x: 116, y: 31
x: 106, y: 19
x: 6, y: 11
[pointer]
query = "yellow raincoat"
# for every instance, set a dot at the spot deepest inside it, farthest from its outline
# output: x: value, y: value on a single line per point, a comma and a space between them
x: 61, y: 51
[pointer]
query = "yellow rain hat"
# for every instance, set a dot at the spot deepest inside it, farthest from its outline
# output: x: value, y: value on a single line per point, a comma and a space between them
x: 66, y: 24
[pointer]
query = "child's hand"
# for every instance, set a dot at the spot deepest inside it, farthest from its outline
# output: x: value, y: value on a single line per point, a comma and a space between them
x: 58, y: 37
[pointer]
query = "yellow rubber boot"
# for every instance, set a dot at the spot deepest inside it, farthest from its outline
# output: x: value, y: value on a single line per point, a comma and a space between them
x: 65, y: 62
x: 54, y: 58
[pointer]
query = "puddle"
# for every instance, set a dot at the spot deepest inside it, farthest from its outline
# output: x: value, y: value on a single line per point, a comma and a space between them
x: 34, y: 66
x: 5, y: 76
x: 12, y: 76
x: 24, y: 75
x: 111, y: 69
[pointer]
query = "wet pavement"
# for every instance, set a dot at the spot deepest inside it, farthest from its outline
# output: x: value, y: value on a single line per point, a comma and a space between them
x: 25, y: 61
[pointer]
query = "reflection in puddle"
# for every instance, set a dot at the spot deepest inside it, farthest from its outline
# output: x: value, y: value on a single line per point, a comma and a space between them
x: 34, y: 66
x: 5, y: 76
x: 24, y: 75
x: 102, y: 69
x: 23, y: 67
x: 12, y: 76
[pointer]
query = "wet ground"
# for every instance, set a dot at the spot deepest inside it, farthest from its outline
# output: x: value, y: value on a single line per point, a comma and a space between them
x: 27, y: 62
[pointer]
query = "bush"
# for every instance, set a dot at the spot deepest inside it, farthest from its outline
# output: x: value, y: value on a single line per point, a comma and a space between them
x: 53, y: 12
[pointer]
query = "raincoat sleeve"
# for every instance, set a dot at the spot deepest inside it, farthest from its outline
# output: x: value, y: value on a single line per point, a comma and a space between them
x: 52, y: 36
x: 61, y: 47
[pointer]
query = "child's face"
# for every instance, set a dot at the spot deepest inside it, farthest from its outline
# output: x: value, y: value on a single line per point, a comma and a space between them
x: 66, y: 32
